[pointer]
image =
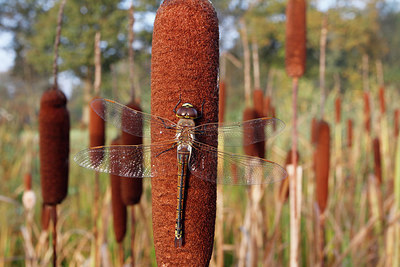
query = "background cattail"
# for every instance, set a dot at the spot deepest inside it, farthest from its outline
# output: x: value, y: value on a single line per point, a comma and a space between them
x: 349, y: 133
x: 118, y: 207
x: 45, y: 217
x: 367, y: 112
x: 322, y: 164
x: 338, y: 103
x: 54, y: 146
x: 29, y: 197
x: 377, y: 160
x: 258, y: 100
x: 96, y: 125
x: 185, y: 59
x: 131, y: 188
x: 295, y: 48
x: 249, y: 133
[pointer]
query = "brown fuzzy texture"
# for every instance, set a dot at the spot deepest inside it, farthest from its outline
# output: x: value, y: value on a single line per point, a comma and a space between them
x: 96, y: 127
x: 185, y: 59
x: 349, y: 133
x: 382, y: 99
x: 284, y: 187
x: 367, y: 112
x: 267, y: 106
x: 338, y: 105
x: 322, y: 159
x: 118, y: 208
x: 258, y: 100
x: 248, y: 132
x: 377, y: 160
x: 222, y: 100
x: 396, y: 122
x: 28, y: 181
x: 295, y: 48
x: 45, y: 217
x: 54, y: 146
x: 314, y: 131
x: 131, y: 188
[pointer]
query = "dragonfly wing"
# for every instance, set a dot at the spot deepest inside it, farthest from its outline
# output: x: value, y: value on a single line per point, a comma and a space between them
x: 234, y: 169
x: 241, y: 133
x: 121, y: 160
x: 129, y: 120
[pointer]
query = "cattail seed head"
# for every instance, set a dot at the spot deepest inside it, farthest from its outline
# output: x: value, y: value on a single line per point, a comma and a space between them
x: 349, y: 133
x: 54, y: 146
x: 131, y: 188
x: 377, y: 160
x: 45, y: 217
x: 295, y: 48
x: 338, y: 104
x: 249, y: 133
x: 258, y: 100
x: 96, y: 125
x: 367, y: 112
x: 322, y: 158
x: 28, y: 181
x: 382, y: 99
x: 118, y: 208
x: 185, y: 59
x: 222, y: 100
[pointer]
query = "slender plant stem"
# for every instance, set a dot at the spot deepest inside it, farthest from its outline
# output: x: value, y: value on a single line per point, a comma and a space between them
x: 57, y: 41
x: 131, y: 51
x: 294, y: 231
x: 133, y: 235
x: 53, y: 214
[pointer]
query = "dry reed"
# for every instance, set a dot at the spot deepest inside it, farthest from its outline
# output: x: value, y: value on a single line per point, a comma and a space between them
x: 396, y: 122
x: 367, y: 112
x: 338, y: 103
x: 349, y: 133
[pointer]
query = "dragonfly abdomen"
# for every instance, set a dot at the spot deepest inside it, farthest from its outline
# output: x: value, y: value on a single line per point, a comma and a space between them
x: 183, y: 159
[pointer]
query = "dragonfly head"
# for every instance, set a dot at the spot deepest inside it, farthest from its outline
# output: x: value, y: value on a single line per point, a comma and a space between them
x: 187, y: 111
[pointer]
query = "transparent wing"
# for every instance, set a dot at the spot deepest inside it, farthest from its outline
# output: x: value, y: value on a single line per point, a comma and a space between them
x: 234, y: 169
x: 129, y: 120
x: 121, y: 160
x: 241, y: 133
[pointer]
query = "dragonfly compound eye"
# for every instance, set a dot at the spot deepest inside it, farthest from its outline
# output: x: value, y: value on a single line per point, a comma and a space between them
x: 187, y: 111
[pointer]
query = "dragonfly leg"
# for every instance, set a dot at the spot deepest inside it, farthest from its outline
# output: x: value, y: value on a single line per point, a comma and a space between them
x: 162, y: 152
x: 167, y: 127
x: 174, y: 110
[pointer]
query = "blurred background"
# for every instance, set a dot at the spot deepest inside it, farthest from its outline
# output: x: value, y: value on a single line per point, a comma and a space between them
x: 362, y: 50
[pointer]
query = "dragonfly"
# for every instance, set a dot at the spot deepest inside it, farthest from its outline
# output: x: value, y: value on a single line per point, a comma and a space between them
x: 138, y: 161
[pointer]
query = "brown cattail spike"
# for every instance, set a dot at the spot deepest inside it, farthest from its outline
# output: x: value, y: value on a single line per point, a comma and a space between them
x: 295, y: 48
x: 367, y: 112
x: 338, y: 104
x: 54, y: 146
x: 382, y: 99
x: 322, y: 164
x: 249, y: 133
x: 96, y: 127
x: 349, y: 133
x: 28, y: 181
x: 258, y: 100
x: 45, y: 217
x: 267, y: 106
x: 185, y: 59
x: 377, y: 160
x: 131, y: 188
x: 118, y: 207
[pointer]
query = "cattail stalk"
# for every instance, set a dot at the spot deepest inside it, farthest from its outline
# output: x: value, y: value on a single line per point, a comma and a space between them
x: 184, y: 31
x: 322, y: 61
x: 295, y: 60
x: 247, y: 65
x: 349, y: 133
x: 131, y: 36
x: 396, y: 122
